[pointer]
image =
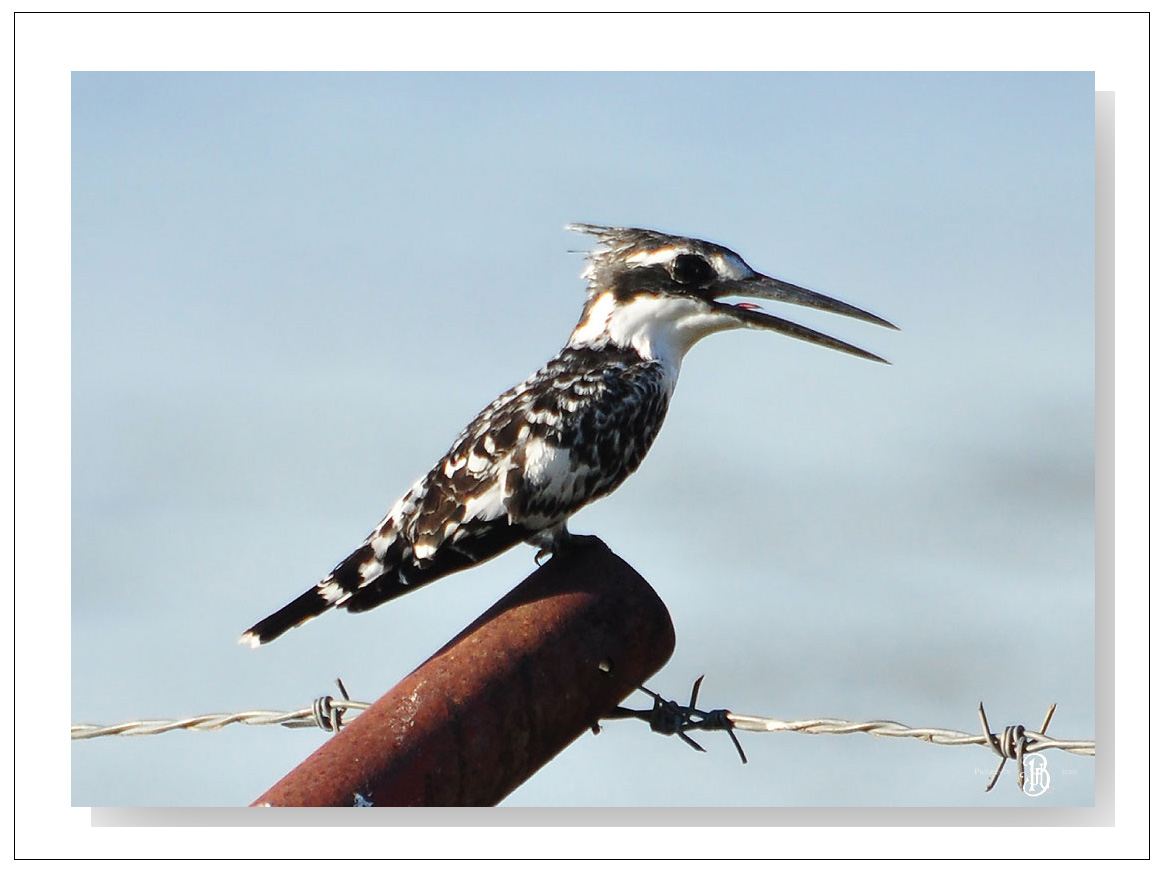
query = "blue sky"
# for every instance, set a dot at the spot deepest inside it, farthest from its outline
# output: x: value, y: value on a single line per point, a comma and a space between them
x: 291, y: 291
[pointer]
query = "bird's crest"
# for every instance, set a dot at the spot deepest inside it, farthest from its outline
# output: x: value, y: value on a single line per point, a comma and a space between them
x: 617, y: 245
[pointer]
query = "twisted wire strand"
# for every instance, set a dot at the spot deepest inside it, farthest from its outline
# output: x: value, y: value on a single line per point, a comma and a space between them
x: 884, y: 728
x: 325, y: 713
x: 294, y: 719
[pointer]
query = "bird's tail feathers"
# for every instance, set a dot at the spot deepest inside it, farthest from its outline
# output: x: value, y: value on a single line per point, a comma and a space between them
x: 384, y: 568
x: 349, y: 576
x: 307, y: 606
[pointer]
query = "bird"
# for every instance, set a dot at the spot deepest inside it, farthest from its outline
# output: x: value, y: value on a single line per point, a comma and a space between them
x: 574, y: 430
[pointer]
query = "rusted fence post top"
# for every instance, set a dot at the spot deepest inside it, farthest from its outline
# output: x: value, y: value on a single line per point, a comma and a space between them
x: 502, y: 698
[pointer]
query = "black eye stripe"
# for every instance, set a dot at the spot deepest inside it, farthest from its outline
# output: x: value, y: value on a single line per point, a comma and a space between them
x: 690, y: 269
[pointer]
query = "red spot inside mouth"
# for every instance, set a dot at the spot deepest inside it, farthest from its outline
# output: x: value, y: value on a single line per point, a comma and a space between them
x: 748, y: 306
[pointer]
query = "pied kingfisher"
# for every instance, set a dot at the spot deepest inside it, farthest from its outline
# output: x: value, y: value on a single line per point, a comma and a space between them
x: 574, y: 430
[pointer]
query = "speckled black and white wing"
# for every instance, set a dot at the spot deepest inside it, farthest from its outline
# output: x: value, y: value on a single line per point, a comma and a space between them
x: 569, y: 434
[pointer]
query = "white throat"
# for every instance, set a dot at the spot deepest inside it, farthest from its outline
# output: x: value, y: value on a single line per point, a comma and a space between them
x: 657, y: 327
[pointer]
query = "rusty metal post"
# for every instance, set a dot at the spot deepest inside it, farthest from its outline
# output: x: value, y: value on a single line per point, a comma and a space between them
x: 501, y: 699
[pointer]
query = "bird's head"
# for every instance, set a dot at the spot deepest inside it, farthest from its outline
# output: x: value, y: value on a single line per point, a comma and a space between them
x: 660, y: 294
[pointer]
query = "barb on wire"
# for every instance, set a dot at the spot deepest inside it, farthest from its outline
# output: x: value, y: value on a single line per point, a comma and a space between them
x: 1010, y: 744
x: 670, y: 718
x: 324, y: 713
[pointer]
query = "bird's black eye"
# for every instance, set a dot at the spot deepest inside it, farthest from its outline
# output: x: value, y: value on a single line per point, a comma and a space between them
x: 692, y: 270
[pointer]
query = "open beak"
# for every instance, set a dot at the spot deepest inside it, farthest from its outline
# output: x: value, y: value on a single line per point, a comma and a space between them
x: 758, y: 286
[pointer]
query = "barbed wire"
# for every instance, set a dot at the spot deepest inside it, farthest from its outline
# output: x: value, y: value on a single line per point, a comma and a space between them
x: 324, y: 713
x: 1014, y: 742
x: 664, y: 717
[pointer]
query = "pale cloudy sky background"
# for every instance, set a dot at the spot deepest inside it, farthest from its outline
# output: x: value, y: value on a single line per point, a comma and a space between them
x: 291, y: 291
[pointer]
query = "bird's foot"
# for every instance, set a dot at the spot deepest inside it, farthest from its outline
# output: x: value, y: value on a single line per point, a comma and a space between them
x: 562, y: 544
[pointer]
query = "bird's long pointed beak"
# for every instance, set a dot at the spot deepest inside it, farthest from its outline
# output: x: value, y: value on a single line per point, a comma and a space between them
x: 758, y: 286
